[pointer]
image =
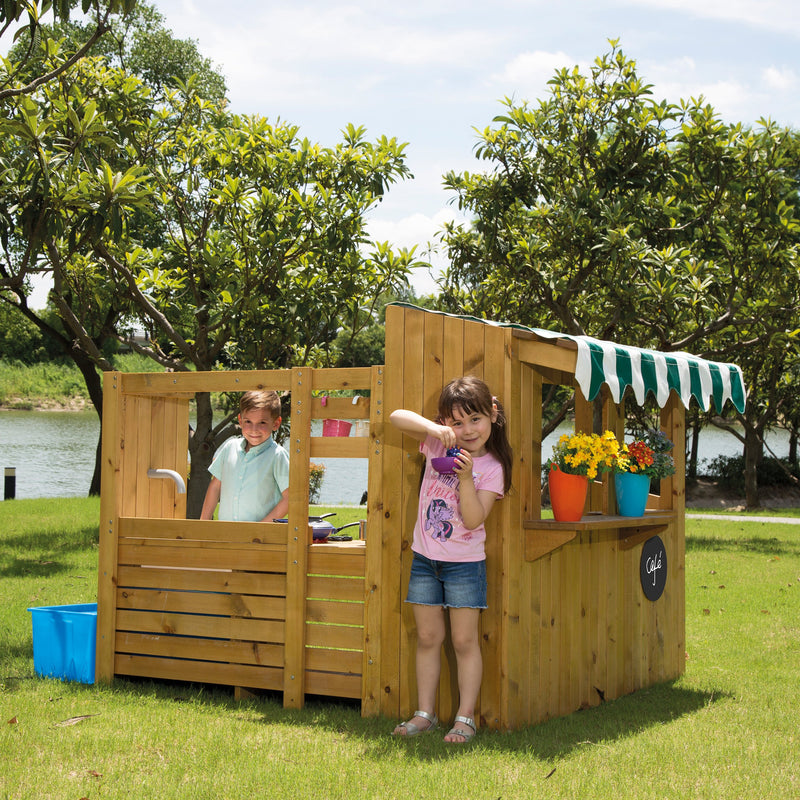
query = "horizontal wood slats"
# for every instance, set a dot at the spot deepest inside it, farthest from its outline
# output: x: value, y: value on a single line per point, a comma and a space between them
x: 204, y: 580
x: 200, y: 671
x: 339, y: 447
x: 203, y: 649
x: 206, y: 601
x: 203, y: 530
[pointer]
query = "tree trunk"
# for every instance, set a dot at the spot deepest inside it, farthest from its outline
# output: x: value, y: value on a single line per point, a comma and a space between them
x: 202, y: 447
x: 752, y: 458
x: 691, y: 466
x: 94, y: 386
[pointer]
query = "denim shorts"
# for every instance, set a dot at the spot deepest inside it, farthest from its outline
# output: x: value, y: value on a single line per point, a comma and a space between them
x: 452, y: 584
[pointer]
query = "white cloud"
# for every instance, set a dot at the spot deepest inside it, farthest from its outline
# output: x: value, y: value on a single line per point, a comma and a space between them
x: 531, y: 70
x: 415, y: 229
x: 432, y: 71
x: 420, y: 230
x: 775, y: 15
x: 782, y: 80
x: 310, y: 51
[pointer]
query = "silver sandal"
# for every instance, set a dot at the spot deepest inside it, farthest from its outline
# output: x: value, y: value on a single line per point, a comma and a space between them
x: 458, y: 731
x: 414, y: 730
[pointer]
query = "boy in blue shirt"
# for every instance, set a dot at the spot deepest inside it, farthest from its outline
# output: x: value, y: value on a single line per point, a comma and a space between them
x: 250, y: 473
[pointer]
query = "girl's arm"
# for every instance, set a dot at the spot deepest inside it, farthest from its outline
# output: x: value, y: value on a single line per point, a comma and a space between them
x: 419, y: 427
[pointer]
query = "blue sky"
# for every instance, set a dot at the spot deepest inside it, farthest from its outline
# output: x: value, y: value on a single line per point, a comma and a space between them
x: 431, y: 72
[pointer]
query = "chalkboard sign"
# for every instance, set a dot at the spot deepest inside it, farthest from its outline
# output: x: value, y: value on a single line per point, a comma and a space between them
x: 653, y: 568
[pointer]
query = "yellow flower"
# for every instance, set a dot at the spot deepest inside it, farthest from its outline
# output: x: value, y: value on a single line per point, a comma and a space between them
x: 585, y: 453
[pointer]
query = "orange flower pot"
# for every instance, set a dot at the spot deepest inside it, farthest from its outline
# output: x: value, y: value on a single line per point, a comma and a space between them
x: 567, y: 495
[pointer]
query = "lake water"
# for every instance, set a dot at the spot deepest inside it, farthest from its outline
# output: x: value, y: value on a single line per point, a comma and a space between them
x: 53, y: 455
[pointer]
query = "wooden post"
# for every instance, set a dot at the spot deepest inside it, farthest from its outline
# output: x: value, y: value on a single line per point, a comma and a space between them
x: 377, y: 552
x: 298, y: 541
x: 10, y: 483
x: 109, y: 527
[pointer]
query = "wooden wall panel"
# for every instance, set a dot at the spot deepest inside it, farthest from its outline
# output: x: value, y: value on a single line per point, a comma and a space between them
x: 502, y: 550
x: 399, y: 509
x: 139, y: 455
x: 157, y: 458
x: 525, y: 607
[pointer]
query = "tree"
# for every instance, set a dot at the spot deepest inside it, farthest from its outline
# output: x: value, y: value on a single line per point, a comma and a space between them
x: 26, y: 169
x: 609, y: 213
x: 75, y: 117
x: 262, y: 250
x: 266, y: 254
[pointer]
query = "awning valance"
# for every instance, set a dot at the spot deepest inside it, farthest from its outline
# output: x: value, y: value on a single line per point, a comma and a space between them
x: 620, y: 366
x: 645, y: 371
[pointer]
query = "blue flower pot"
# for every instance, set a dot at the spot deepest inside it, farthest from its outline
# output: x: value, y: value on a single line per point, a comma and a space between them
x: 632, y: 489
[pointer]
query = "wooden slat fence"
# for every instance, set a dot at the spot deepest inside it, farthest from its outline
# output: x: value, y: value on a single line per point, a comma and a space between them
x: 206, y: 601
x: 253, y: 605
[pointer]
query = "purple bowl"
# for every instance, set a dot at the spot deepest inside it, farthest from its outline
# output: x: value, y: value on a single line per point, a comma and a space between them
x: 443, y: 464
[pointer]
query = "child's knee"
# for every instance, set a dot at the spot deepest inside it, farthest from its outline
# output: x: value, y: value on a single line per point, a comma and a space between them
x: 430, y: 637
x: 465, y: 642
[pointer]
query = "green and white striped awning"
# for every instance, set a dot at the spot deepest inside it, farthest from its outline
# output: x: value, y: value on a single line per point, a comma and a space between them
x: 620, y: 366
x: 646, y: 371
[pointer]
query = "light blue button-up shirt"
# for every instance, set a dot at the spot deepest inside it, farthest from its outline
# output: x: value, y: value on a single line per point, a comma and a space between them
x: 253, y: 481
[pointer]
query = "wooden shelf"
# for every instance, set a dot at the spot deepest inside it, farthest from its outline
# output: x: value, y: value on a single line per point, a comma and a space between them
x: 543, y: 536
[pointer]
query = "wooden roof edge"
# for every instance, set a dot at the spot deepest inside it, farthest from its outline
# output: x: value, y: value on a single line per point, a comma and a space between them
x: 530, y: 335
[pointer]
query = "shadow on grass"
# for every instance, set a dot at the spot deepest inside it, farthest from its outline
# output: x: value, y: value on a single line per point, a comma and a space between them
x: 768, y: 546
x: 556, y: 738
x: 548, y: 741
x: 41, y: 554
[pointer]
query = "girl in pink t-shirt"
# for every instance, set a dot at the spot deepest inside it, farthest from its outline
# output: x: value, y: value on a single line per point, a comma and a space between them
x: 449, y: 566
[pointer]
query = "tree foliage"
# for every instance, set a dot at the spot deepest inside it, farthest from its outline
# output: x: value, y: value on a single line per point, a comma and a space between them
x: 137, y: 42
x: 26, y: 17
x: 232, y: 240
x: 610, y: 213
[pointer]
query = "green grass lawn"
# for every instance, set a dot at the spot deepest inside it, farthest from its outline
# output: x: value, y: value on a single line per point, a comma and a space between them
x: 727, y: 729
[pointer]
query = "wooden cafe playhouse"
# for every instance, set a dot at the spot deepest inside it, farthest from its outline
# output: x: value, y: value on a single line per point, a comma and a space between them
x: 260, y: 607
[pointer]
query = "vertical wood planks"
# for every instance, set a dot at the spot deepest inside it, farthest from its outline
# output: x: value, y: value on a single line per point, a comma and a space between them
x: 501, y: 549
x: 398, y: 513
x: 158, y: 489
x: 139, y: 453
x: 673, y: 421
x: 525, y: 674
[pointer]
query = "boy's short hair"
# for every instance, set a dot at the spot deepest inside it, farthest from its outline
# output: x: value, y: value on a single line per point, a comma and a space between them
x: 261, y: 398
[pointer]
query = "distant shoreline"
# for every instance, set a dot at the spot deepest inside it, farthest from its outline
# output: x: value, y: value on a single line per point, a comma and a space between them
x: 76, y: 403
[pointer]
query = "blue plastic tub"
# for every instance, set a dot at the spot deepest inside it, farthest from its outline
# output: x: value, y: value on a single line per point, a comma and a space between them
x: 64, y: 641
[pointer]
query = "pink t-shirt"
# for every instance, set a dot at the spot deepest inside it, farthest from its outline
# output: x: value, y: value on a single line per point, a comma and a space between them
x: 439, y: 533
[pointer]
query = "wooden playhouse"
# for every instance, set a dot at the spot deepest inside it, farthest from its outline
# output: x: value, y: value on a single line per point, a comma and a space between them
x: 258, y: 606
